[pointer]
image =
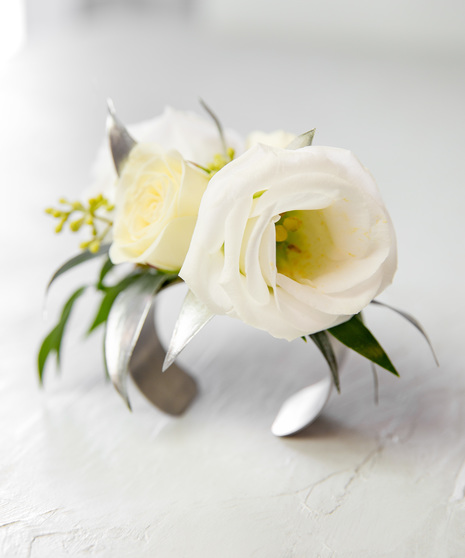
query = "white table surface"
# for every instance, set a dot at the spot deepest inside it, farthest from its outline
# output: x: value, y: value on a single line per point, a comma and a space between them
x: 80, y: 475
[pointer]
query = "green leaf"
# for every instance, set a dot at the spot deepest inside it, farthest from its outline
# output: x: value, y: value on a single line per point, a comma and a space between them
x: 124, y: 324
x: 355, y: 335
x: 52, y: 343
x: 373, y: 369
x: 154, y: 277
x: 77, y: 260
x: 413, y: 321
x: 109, y: 296
x: 322, y: 341
x: 107, y: 266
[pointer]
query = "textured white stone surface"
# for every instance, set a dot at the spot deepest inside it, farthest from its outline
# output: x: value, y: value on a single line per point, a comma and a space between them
x: 80, y: 475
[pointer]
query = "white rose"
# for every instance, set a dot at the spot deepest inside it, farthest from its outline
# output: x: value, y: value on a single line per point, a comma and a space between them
x: 291, y: 242
x: 195, y: 137
x: 278, y: 138
x: 157, y: 201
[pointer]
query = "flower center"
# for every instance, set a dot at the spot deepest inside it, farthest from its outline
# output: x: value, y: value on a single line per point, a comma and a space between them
x: 148, y: 202
x: 304, y: 246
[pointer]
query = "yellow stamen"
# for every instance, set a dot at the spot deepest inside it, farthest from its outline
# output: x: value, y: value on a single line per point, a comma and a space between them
x: 281, y: 233
x: 309, y: 250
x: 292, y: 224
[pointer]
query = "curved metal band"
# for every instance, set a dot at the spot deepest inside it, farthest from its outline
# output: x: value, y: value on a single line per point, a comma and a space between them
x: 173, y: 391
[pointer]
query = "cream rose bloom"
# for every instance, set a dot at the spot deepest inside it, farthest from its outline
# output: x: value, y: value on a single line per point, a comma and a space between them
x: 195, y: 137
x: 291, y: 242
x: 157, y: 201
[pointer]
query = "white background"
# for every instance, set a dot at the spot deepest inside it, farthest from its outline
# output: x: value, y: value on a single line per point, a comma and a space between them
x: 80, y: 476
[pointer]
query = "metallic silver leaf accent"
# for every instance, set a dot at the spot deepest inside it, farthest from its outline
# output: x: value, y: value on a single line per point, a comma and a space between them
x: 413, y: 321
x: 121, y: 142
x: 302, y: 408
x: 218, y: 125
x: 194, y: 315
x: 304, y: 140
x: 124, y: 324
x: 375, y: 383
x: 172, y: 392
x: 323, y: 342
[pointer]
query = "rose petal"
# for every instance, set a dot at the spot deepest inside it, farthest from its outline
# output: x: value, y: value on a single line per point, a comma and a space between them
x: 347, y: 249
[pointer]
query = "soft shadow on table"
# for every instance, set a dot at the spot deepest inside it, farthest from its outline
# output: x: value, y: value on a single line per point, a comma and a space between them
x: 323, y: 427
